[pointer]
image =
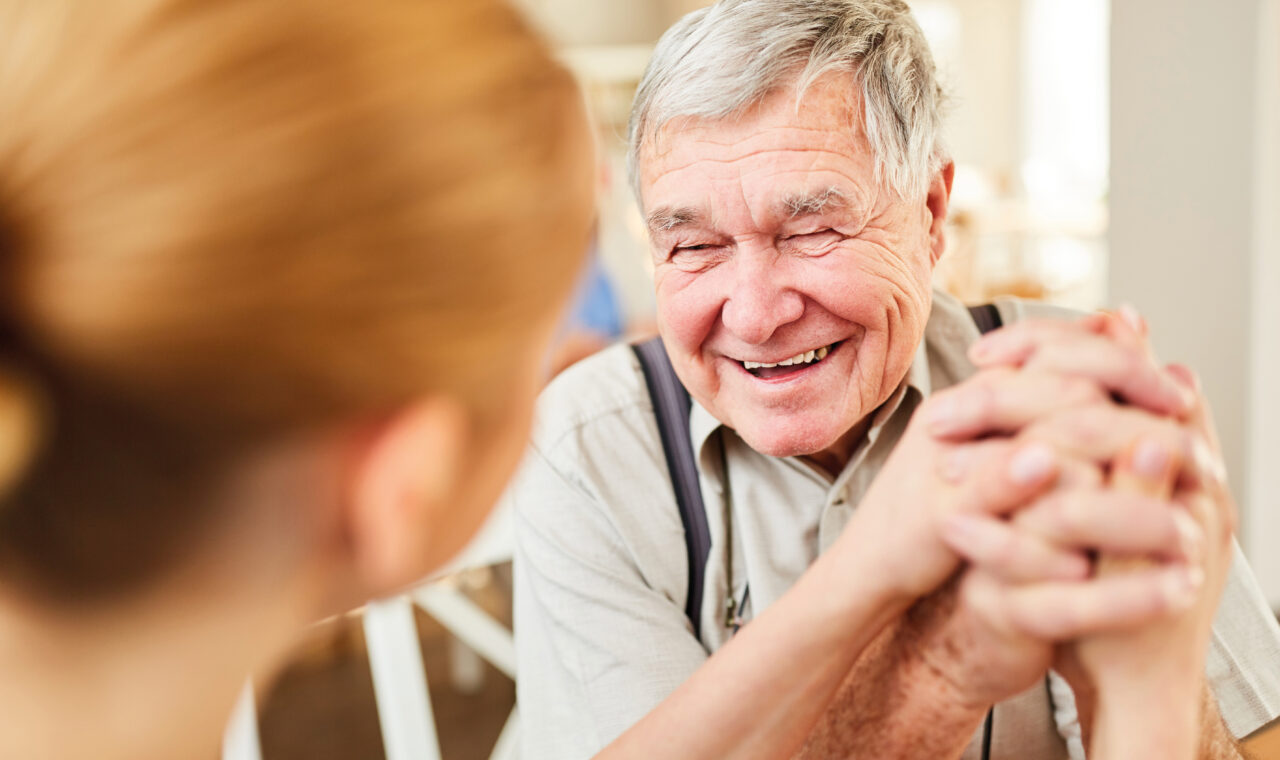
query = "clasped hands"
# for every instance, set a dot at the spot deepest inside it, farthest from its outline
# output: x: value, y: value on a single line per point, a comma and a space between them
x: 1066, y: 507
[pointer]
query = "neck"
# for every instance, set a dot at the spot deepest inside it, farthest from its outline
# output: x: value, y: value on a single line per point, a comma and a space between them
x: 833, y: 459
x: 154, y: 678
x: 155, y: 673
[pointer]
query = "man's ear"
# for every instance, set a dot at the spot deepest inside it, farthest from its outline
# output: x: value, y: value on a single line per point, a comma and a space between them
x: 402, y: 484
x: 938, y: 202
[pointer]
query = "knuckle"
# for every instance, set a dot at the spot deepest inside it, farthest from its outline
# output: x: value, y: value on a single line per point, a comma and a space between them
x: 940, y: 397
x: 998, y: 376
x: 1078, y: 391
x: 1068, y: 516
x: 1203, y: 512
x: 1087, y: 429
x: 1131, y: 363
x: 1055, y: 622
x: 1170, y: 521
x: 1230, y: 519
x: 981, y: 597
x: 1074, y: 473
x: 982, y: 401
x: 1005, y: 552
x: 1209, y: 466
x: 1217, y: 515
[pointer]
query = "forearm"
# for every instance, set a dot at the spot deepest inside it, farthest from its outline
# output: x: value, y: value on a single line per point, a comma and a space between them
x: 892, y: 704
x: 760, y: 695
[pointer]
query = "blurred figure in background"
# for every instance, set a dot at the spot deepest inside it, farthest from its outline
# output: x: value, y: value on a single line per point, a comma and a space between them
x: 595, y: 319
x: 278, y: 284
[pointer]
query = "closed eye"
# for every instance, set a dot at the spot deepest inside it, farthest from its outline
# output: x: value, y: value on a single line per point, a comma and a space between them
x: 815, y: 233
x: 813, y: 243
x: 698, y: 256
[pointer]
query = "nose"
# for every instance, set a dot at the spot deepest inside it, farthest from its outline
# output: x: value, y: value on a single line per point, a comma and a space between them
x: 761, y: 299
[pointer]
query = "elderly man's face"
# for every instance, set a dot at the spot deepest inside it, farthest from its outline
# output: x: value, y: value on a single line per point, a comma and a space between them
x: 774, y: 245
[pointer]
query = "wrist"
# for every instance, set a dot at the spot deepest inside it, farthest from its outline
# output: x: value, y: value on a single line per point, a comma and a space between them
x: 922, y: 700
x: 877, y: 585
x: 1147, y: 722
x: 944, y: 694
x: 928, y: 653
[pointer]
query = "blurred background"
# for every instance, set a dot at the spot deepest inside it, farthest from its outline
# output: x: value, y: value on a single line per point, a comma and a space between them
x: 1107, y: 152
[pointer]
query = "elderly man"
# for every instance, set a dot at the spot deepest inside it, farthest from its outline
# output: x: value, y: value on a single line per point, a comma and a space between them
x: 787, y: 159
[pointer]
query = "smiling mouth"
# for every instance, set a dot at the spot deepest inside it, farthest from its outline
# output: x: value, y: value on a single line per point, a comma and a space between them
x: 766, y: 371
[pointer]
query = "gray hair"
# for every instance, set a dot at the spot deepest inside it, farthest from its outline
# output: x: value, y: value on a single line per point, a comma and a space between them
x: 717, y: 61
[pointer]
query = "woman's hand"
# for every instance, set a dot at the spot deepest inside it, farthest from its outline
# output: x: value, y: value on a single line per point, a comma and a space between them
x: 1149, y: 682
x: 1148, y: 677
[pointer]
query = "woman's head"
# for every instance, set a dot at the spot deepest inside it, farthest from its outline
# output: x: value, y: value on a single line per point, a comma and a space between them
x: 227, y: 226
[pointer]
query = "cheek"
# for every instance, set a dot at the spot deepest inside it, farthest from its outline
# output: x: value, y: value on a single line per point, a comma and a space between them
x: 688, y: 307
x: 871, y: 286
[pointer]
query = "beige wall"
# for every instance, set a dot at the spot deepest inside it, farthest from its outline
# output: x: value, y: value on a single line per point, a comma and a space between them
x: 984, y: 125
x: 1185, y: 119
x: 1264, y: 418
x: 674, y: 9
x: 597, y: 22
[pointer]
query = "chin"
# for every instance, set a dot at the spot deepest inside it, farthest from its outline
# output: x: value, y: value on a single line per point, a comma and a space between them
x: 799, y: 442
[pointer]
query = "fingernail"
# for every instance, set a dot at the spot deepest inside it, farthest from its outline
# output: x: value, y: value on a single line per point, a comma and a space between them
x: 1151, y: 459
x: 1031, y: 465
x: 1182, y: 586
x: 1132, y: 318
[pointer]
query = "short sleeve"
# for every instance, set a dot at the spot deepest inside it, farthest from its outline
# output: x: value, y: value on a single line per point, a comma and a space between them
x: 1243, y: 666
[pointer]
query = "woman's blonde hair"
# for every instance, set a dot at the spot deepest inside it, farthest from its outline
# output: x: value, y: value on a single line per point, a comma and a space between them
x: 223, y: 222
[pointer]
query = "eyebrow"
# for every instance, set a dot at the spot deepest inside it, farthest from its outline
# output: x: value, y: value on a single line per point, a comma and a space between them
x: 667, y: 218
x: 807, y: 204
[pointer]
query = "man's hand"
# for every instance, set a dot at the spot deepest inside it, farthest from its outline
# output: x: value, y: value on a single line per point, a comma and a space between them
x: 1155, y: 669
x: 991, y: 653
x: 994, y: 632
x: 927, y: 479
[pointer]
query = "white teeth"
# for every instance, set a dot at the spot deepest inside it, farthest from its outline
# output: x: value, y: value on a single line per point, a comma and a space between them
x: 817, y: 354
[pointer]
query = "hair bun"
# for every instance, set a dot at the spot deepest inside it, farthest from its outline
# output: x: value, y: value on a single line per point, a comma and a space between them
x: 21, y: 425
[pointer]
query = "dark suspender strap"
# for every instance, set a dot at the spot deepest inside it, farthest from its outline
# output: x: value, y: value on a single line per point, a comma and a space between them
x: 671, y: 404
x: 986, y: 317
x: 987, y: 729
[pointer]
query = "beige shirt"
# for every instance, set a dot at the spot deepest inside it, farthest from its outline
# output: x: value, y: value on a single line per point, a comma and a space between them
x: 601, y: 569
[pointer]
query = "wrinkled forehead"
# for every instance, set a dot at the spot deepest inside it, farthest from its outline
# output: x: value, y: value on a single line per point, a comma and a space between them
x: 784, y: 145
